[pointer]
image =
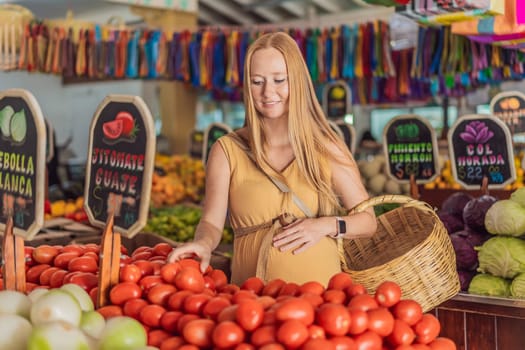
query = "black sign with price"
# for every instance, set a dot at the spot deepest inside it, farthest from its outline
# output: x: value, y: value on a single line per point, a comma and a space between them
x: 481, y: 146
x: 410, y: 147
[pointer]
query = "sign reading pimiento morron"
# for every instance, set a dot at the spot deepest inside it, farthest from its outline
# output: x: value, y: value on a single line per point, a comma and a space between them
x: 22, y: 162
x: 510, y: 108
x: 410, y: 146
x: 120, y: 164
x: 481, y: 146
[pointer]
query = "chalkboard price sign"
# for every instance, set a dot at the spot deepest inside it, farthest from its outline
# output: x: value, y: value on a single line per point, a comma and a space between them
x: 22, y: 162
x: 481, y: 146
x: 212, y: 133
x: 410, y: 146
x: 337, y: 101
x: 120, y: 164
x: 510, y: 108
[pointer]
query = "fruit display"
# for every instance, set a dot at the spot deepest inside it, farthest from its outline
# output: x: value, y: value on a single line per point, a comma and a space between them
x: 178, y: 178
x: 68, y: 208
x: 178, y: 223
x: 177, y: 305
x: 375, y: 178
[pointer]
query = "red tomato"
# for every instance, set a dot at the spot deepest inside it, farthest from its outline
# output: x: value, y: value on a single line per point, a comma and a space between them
x: 214, y: 306
x: 368, y: 340
x: 359, y: 322
x: 188, y: 347
x: 334, y: 318
x: 381, y: 321
x: 249, y: 314
x: 244, y: 346
x: 168, y: 271
x: 123, y: 292
x: 130, y: 273
x: 91, y: 247
x: 292, y: 334
x: 402, y: 334
x: 146, y: 267
x: 318, y: 344
x: 219, y: 278
x: 76, y: 248
x: 229, y: 289
x: 157, y: 336
x: 314, y: 299
x: 57, y: 278
x: 291, y: 289
x: 296, y: 309
x: 83, y: 264
x: 316, y: 332
x: 183, y: 320
x: 86, y: 280
x: 169, y: 320
x: 334, y: 296
x: 176, y: 300
x: 109, y: 311
x: 355, y: 289
x: 341, y: 281
x: 132, y: 307
x: 172, y: 343
x: 344, y: 343
x: 147, y: 282
x: 227, y: 334
x: 189, y: 278
x: 189, y: 263
x: 141, y: 249
x: 272, y: 346
x: 255, y: 284
x: 62, y: 260
x: 273, y: 287
x: 28, y: 255
x: 92, y: 255
x: 29, y: 286
x: 363, y: 302
x: 243, y: 294
x: 264, y: 335
x: 45, y: 276
x: 150, y: 315
x: 145, y: 255
x: 93, y: 294
x: 162, y: 249
x: 160, y: 293
x: 44, y: 254
x: 34, y: 272
x: 269, y: 317
x: 194, y: 303
x: 427, y: 329
x: 408, y: 310
x: 442, y: 343
x: 228, y: 313
x: 199, y: 332
x: 388, y: 293
x: 313, y: 287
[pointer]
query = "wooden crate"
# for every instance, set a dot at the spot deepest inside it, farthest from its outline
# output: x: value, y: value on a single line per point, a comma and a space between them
x: 483, y: 323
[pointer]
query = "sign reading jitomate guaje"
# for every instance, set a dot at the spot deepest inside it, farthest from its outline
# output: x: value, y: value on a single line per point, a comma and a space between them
x: 410, y: 147
x: 22, y: 162
x: 481, y: 146
x: 120, y: 164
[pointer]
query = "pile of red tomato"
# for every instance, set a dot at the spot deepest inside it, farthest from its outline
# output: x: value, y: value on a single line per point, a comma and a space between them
x: 183, y: 308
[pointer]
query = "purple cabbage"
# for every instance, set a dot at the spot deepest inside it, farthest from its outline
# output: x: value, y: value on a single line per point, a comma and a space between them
x: 475, y: 211
x: 466, y: 255
x: 455, y: 203
x: 464, y: 278
x: 451, y: 222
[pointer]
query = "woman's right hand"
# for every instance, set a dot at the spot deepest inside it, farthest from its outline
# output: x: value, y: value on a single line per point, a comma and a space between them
x: 193, y: 249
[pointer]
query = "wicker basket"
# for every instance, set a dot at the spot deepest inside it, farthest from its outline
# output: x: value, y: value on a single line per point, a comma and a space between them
x: 411, y: 247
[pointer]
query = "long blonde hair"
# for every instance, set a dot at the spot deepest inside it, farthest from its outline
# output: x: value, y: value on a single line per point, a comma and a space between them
x: 308, y: 127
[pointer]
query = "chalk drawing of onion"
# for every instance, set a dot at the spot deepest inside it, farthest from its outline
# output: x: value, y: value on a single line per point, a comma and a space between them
x: 476, y: 132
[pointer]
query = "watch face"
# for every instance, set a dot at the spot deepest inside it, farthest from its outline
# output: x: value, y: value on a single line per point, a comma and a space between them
x: 342, y: 226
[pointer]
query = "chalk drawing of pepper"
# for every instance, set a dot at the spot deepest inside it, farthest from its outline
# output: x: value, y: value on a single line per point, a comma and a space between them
x: 476, y: 132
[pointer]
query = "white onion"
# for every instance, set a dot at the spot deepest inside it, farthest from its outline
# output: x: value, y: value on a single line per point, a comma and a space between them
x: 37, y: 293
x: 57, y: 335
x: 56, y: 305
x: 13, y: 302
x: 122, y: 333
x: 83, y: 298
x: 92, y: 323
x: 14, y: 332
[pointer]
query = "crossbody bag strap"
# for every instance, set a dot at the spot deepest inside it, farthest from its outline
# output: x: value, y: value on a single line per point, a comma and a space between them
x: 280, y: 185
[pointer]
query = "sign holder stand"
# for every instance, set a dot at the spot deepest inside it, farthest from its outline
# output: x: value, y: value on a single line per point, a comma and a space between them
x: 13, y: 257
x: 414, y: 188
x: 109, y: 261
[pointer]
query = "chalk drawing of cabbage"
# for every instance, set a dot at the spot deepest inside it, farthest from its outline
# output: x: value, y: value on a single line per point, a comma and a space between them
x: 476, y: 132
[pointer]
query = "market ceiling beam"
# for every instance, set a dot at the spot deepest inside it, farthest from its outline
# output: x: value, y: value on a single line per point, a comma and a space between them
x: 265, y: 12
x: 230, y: 10
x: 207, y: 17
x: 329, y: 6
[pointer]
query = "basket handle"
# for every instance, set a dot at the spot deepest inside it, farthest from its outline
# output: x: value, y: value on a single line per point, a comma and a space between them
x: 391, y: 198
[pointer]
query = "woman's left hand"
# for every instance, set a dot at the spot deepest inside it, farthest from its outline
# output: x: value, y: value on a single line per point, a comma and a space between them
x: 301, y: 234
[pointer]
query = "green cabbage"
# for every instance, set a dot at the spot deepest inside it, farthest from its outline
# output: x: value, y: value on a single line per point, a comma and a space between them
x: 518, y: 196
x: 485, y: 284
x: 502, y: 256
x: 517, y: 286
x: 505, y: 217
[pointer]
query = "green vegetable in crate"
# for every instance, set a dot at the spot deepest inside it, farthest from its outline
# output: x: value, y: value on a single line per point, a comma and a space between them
x: 502, y: 256
x: 485, y: 284
x: 517, y: 286
x: 505, y: 217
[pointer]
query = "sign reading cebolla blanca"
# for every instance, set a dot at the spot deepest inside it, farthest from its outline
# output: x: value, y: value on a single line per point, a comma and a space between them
x: 120, y: 164
x: 212, y: 133
x: 481, y: 146
x: 22, y: 162
x: 337, y: 101
x: 410, y: 146
x: 510, y: 108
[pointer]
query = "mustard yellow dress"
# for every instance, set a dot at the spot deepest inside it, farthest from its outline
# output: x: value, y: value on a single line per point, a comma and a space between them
x: 254, y: 203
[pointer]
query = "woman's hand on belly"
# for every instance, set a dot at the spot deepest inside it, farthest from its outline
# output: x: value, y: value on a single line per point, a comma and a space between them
x: 302, y: 234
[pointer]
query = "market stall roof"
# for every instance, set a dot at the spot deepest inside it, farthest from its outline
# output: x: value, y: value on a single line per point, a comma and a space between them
x: 211, y: 12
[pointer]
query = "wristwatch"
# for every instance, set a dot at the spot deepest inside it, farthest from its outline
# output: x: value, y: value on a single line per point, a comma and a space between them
x: 340, y: 228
